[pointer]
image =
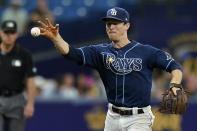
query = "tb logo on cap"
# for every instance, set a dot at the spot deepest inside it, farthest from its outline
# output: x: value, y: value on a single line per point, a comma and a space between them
x: 113, y: 12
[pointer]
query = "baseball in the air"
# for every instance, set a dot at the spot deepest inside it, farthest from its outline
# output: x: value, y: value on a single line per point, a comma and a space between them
x: 35, y: 31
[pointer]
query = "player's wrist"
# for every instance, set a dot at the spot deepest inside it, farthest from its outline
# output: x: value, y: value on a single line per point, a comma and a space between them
x: 57, y: 38
x: 172, y: 85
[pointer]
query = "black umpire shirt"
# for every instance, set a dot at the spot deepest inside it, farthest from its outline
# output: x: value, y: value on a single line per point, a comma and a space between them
x: 15, y: 67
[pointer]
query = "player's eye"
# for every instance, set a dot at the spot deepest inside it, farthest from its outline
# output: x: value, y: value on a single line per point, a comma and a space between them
x: 109, y: 24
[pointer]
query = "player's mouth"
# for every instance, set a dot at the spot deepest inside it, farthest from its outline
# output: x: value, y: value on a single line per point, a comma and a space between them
x: 112, y: 32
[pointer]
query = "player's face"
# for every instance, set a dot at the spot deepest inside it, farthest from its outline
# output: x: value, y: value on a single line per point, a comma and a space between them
x: 116, y: 30
x: 8, y: 37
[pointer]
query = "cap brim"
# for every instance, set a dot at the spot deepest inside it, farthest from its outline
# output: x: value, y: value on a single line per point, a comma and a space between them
x: 9, y: 29
x: 108, y: 18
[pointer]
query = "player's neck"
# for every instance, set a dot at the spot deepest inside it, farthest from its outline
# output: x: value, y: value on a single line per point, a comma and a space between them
x: 6, y: 48
x: 121, y: 43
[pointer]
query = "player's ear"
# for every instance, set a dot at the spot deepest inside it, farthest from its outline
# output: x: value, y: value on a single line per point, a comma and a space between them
x: 127, y: 26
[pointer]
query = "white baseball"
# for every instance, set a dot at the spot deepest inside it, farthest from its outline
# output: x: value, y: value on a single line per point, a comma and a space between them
x: 35, y: 31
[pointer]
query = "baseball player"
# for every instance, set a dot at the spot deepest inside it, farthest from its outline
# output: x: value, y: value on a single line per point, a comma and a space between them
x: 125, y: 67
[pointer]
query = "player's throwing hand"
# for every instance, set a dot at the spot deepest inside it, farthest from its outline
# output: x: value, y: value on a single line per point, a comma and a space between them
x: 52, y: 32
x: 49, y: 30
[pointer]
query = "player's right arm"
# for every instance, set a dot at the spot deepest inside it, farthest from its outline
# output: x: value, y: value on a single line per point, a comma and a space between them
x: 52, y: 32
x: 84, y: 55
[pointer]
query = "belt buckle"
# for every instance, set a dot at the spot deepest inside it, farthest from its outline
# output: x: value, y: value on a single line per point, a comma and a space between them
x: 122, y: 112
x: 125, y: 112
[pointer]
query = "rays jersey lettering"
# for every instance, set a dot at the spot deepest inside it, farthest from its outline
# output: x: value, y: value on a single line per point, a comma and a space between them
x: 121, y: 66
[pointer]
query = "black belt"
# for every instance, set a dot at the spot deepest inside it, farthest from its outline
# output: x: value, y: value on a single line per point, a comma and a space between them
x: 126, y: 112
x: 7, y: 93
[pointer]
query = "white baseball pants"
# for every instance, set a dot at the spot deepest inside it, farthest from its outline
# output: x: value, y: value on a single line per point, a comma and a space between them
x: 135, y: 122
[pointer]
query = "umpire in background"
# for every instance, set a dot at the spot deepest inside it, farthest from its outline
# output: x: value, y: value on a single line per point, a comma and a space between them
x: 17, y: 73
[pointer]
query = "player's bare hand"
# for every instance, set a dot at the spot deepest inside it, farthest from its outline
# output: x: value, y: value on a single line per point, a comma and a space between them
x: 48, y: 29
x: 174, y: 89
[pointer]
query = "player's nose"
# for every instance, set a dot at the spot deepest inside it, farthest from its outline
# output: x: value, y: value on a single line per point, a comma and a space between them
x: 112, y: 26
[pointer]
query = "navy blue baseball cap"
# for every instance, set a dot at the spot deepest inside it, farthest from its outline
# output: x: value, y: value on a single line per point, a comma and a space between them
x: 117, y: 13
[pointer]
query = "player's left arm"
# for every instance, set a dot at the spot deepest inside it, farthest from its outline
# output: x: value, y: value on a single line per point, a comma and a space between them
x: 166, y: 62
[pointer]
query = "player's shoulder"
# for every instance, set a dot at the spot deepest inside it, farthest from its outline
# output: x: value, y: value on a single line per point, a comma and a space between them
x: 147, y: 47
x: 100, y: 46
